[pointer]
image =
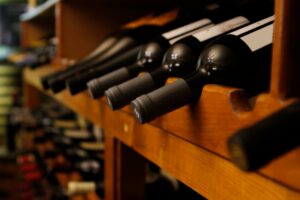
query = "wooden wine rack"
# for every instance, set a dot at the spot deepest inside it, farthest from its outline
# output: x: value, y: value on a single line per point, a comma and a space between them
x: 190, y: 142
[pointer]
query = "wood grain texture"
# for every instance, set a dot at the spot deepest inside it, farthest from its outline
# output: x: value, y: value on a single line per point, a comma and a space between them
x: 205, y: 172
x: 285, y: 64
x: 220, y: 112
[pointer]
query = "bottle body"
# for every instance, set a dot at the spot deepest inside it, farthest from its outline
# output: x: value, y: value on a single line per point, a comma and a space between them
x: 229, y: 60
x: 255, y: 146
x: 179, y: 61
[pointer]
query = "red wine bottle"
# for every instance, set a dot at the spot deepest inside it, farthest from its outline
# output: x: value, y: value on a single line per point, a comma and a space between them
x: 239, y: 59
x: 179, y: 60
x: 150, y: 54
x: 255, y: 146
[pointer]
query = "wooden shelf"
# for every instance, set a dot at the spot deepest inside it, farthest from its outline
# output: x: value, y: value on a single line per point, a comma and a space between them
x: 200, y: 164
x: 82, y: 103
x: 190, y: 142
x: 44, y: 10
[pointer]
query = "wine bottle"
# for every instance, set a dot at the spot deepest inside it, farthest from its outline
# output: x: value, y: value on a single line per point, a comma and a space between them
x: 129, y: 40
x: 179, y: 60
x: 84, y: 187
x: 235, y: 60
x: 78, y: 84
x: 103, y: 47
x: 149, y: 56
x: 163, y: 25
x: 255, y: 146
x: 107, y: 42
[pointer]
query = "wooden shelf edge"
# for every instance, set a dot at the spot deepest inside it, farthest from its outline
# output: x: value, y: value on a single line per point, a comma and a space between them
x: 39, y: 10
x: 203, y: 171
x: 81, y: 103
x: 145, y: 138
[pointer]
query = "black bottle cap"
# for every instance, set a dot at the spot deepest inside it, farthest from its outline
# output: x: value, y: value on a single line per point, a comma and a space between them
x: 57, y: 85
x: 114, y: 98
x: 96, y: 87
x: 161, y: 101
x: 121, y: 95
x: 143, y: 109
x: 44, y: 82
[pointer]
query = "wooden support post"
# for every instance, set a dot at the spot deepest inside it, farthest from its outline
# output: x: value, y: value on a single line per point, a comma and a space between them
x: 124, y: 172
x: 285, y: 80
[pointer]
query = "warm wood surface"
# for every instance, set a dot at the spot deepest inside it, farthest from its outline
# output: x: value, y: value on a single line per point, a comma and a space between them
x: 286, y: 48
x: 179, y: 141
x: 32, y: 33
x: 220, y: 112
x: 205, y: 172
x: 82, y: 104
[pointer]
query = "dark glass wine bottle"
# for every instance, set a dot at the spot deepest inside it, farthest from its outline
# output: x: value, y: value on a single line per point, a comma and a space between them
x: 240, y: 59
x: 101, y: 49
x: 179, y: 60
x: 76, y: 85
x: 149, y: 55
x: 215, y: 14
x: 108, y: 43
x: 129, y: 41
x: 255, y: 146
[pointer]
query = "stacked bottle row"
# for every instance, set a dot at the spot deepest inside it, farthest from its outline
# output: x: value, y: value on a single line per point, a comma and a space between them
x: 64, y: 159
x: 10, y: 93
x: 59, y: 147
x: 219, y: 44
x: 11, y: 68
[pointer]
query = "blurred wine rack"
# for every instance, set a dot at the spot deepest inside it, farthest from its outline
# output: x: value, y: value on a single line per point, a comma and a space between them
x: 190, y: 142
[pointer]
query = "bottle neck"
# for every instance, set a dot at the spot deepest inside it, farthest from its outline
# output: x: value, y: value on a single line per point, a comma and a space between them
x: 160, y: 75
x: 134, y: 69
x: 196, y: 82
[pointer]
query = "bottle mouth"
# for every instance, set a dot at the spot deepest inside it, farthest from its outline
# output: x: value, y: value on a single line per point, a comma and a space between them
x: 57, y: 86
x: 114, y: 98
x: 143, y: 109
x: 74, y: 86
x: 94, y: 90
